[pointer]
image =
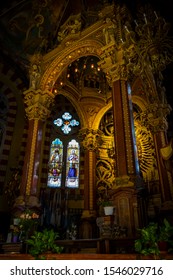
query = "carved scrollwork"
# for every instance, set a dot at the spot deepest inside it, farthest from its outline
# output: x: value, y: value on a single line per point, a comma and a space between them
x: 146, y: 151
x: 70, y: 27
x: 104, y: 174
x: 155, y: 117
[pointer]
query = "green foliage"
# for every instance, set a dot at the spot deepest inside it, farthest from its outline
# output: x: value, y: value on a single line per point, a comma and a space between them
x: 147, y: 243
x: 28, y: 220
x: 165, y: 231
x: 42, y: 242
x: 106, y: 203
x: 103, y: 196
x: 149, y: 236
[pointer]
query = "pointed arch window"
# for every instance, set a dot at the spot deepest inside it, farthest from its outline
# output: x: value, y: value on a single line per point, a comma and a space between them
x: 64, y: 158
x: 55, y: 164
x: 72, y: 164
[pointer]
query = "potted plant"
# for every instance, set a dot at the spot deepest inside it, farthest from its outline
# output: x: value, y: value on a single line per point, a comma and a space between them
x: 108, y: 207
x: 147, y: 243
x: 165, y: 235
x: 104, y: 200
x: 28, y: 222
x: 43, y: 242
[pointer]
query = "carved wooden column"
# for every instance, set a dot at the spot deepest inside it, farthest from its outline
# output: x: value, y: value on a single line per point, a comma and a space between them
x: 126, y: 154
x: 128, y: 181
x: 91, y: 139
x: 38, y: 109
x: 155, y: 119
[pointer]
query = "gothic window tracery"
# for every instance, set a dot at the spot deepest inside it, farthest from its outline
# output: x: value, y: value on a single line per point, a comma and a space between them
x: 64, y: 158
x: 70, y: 154
x: 72, y: 164
x: 65, y: 122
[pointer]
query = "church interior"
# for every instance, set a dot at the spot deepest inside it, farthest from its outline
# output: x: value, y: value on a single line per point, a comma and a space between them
x: 86, y: 116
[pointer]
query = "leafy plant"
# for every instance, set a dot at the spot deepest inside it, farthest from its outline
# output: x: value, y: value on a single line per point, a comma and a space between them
x: 106, y: 203
x: 165, y: 231
x: 147, y: 243
x: 42, y: 242
x: 28, y: 220
x: 151, y: 237
x: 103, y: 198
x: 166, y: 236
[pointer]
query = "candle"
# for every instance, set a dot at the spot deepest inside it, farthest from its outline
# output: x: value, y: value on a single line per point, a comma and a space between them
x: 145, y: 18
x: 155, y: 14
x: 126, y: 28
x: 136, y: 22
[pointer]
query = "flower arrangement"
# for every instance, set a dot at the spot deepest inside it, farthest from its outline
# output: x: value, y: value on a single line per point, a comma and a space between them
x: 28, y: 220
x: 26, y: 224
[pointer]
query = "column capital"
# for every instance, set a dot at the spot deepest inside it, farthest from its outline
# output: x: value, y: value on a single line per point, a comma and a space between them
x: 91, y: 139
x: 38, y: 103
x: 113, y: 62
x: 154, y: 117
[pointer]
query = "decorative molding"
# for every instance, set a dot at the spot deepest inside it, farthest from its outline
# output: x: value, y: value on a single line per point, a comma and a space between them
x: 38, y: 103
x: 127, y: 129
x: 67, y: 56
x: 31, y: 158
x: 105, y: 175
x: 154, y: 117
x: 91, y: 139
x: 146, y: 152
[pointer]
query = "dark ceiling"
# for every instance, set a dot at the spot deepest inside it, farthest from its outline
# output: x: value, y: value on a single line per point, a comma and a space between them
x: 25, y: 26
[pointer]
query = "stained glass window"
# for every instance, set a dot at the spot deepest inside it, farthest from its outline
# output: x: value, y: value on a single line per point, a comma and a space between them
x: 71, y: 168
x: 66, y: 122
x: 72, y: 164
x: 55, y: 164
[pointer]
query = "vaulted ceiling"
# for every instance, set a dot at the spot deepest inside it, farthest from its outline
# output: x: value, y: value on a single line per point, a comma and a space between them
x: 29, y: 25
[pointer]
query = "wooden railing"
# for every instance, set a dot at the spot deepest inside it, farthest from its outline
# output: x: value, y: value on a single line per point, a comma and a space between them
x: 101, y: 245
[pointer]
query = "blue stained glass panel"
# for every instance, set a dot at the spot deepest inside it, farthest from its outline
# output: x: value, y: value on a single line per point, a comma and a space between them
x: 65, y: 122
x: 55, y: 164
x: 72, y: 165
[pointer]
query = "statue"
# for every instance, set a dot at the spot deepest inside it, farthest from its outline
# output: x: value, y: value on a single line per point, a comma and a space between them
x: 109, y: 32
x: 35, y: 74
